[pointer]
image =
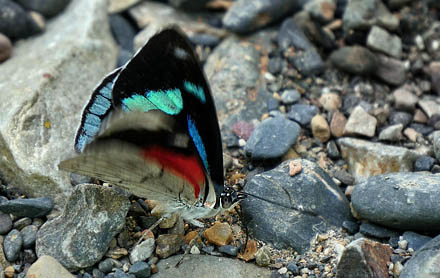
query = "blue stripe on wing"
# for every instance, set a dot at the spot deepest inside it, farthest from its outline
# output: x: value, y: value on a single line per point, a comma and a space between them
x: 169, y: 101
x: 193, y: 132
x: 95, y: 111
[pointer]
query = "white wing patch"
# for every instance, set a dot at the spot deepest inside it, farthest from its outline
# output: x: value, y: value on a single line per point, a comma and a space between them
x: 181, y: 53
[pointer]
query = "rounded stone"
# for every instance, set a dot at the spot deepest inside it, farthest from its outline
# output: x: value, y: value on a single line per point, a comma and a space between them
x: 400, y: 200
x: 424, y: 163
x: 106, y: 266
x: 229, y: 250
x: 47, y: 8
x: 5, y: 223
x: 140, y: 270
x: 354, y: 59
x: 29, y: 235
x: 220, y: 234
x: 5, y: 48
x: 262, y: 257
x: 12, y: 245
x: 330, y: 101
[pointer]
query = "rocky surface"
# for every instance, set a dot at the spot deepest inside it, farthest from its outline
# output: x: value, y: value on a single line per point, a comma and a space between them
x: 352, y: 86
x: 37, y: 126
x: 82, y: 234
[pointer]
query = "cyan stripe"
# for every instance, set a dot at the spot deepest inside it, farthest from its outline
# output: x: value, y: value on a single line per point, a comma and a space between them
x: 197, y: 142
x: 137, y: 103
x: 106, y: 91
x: 170, y: 101
x: 195, y: 90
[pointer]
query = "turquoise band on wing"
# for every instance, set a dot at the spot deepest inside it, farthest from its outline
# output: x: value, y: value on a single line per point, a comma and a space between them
x: 195, y: 90
x: 192, y: 129
x: 169, y: 101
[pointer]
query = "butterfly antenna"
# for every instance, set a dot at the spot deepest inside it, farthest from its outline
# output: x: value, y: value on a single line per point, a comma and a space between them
x: 294, y: 207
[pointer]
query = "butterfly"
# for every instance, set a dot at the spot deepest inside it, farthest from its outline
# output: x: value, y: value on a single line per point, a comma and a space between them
x: 151, y: 128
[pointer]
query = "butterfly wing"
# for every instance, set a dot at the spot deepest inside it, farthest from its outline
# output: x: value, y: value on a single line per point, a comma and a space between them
x: 160, y: 138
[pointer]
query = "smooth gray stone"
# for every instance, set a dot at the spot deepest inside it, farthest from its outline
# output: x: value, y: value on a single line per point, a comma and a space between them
x: 295, y: 208
x: 35, y: 207
x: 406, y: 201
x: 424, y: 263
x: 209, y: 266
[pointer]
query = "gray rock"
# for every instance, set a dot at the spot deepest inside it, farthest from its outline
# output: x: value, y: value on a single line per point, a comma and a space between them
x: 306, y: 58
x: 434, y: 72
x: 321, y: 205
x: 140, y: 270
x: 229, y: 250
x: 380, y: 40
x: 116, y: 6
x: 233, y: 71
x: 34, y: 207
x: 290, y: 96
x: 142, y: 251
x: 48, y: 267
x: 351, y: 227
x: 248, y: 15
x: 364, y: 258
x: 168, y: 245
x: 354, y: 59
x: 302, y: 113
x: 44, y: 88
x: 262, y: 257
x: 272, y: 138
x: 390, y: 70
x: 106, y: 265
x: 399, y: 200
x: 81, y: 235
x: 415, y: 240
x: 21, y: 223
x: 424, y: 263
x: 430, y: 107
x: 367, y: 159
x: 405, y: 99
x: 151, y: 17
x: 424, y: 163
x: 48, y: 8
x: 209, y: 266
x: 391, y: 133
x: 12, y: 245
x: 376, y: 231
x: 322, y: 10
x: 122, y: 31
x: 29, y: 235
x: 314, y: 31
x: 15, y: 22
x: 360, y: 123
x: 5, y: 223
x: 362, y: 14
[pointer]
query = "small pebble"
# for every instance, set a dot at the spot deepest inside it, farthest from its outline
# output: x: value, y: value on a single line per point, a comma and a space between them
x: 290, y: 96
x: 5, y: 48
x: 9, y: 272
x: 403, y: 244
x: 424, y: 163
x: 195, y: 250
x: 220, y: 234
x: 97, y: 273
x: 106, y: 266
x: 12, y: 245
x: 29, y: 235
x: 21, y: 223
x: 140, y: 270
x: 5, y: 223
x: 229, y: 250
x: 350, y: 226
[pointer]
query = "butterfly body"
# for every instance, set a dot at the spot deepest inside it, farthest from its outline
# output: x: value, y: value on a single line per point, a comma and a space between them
x: 151, y: 127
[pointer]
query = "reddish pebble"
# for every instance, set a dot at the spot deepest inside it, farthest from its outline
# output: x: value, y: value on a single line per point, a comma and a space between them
x: 294, y: 167
x: 243, y: 129
x: 5, y: 48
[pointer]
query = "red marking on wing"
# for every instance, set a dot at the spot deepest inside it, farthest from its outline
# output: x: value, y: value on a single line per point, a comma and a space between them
x: 185, y: 166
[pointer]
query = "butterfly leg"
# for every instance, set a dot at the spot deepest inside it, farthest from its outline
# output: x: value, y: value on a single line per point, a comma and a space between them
x: 191, y: 244
x: 151, y: 228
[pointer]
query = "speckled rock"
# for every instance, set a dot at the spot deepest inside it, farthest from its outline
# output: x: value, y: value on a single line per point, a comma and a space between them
x: 12, y: 245
x: 142, y: 251
x: 48, y: 267
x: 248, y: 15
x: 399, y: 200
x: 209, y: 266
x: 364, y: 258
x: 272, y: 138
x: 168, y: 245
x: 367, y: 159
x: 278, y: 222
x: 33, y: 207
x: 380, y: 40
x: 391, y: 133
x: 71, y: 53
x: 424, y: 263
x: 81, y: 235
x: 330, y: 101
x: 320, y: 128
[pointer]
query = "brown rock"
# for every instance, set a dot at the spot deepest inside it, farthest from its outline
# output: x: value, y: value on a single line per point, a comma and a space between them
x: 220, y: 234
x: 420, y: 117
x: 168, y: 245
x: 190, y: 236
x: 9, y: 272
x: 47, y: 267
x: 116, y: 253
x: 169, y: 222
x: 364, y: 258
x: 249, y: 253
x: 430, y: 107
x: 5, y: 48
x: 330, y: 101
x: 337, y: 124
x: 411, y: 134
x: 294, y: 167
x: 320, y: 128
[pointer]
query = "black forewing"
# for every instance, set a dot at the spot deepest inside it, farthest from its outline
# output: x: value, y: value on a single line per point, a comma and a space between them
x: 165, y: 62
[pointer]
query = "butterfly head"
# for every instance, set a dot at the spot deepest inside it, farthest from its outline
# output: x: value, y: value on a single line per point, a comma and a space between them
x: 229, y: 197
